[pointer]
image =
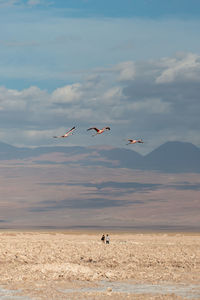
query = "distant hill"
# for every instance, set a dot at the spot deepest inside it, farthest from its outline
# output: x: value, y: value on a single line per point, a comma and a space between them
x: 169, y: 157
x: 126, y: 158
x: 172, y: 157
x: 11, y: 152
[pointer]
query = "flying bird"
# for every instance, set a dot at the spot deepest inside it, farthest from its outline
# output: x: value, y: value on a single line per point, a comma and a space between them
x: 70, y: 132
x: 135, y: 141
x: 99, y: 131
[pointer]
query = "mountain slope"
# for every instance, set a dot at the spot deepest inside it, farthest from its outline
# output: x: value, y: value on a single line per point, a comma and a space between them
x: 126, y: 158
x: 172, y: 157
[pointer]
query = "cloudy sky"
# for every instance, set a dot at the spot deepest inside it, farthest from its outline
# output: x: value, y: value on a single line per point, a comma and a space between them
x: 133, y: 65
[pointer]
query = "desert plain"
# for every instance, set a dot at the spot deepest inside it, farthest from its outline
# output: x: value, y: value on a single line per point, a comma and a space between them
x: 77, y: 265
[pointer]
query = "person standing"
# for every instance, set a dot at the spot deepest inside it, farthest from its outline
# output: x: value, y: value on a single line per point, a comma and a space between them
x: 107, y: 239
x: 103, y: 238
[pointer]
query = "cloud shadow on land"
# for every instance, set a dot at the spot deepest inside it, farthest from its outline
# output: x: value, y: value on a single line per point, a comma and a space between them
x: 93, y: 203
x: 186, y: 186
x: 112, y: 184
x: 131, y: 186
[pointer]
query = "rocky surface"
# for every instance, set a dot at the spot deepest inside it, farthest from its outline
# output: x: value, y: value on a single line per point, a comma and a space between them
x: 44, y: 264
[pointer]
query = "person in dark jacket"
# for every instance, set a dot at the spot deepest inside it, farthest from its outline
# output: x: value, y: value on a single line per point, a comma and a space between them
x: 103, y: 238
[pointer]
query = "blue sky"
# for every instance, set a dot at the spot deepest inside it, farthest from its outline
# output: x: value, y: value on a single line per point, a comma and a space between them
x: 119, y: 8
x: 133, y: 65
x: 95, y: 63
x: 62, y: 37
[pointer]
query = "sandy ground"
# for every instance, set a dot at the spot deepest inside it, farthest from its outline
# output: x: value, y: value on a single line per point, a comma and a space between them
x: 77, y: 265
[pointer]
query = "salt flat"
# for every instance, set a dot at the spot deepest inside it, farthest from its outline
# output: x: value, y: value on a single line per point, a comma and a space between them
x: 77, y: 265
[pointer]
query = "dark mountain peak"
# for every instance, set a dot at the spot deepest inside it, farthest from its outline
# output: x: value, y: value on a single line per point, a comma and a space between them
x: 174, y: 157
x: 171, y: 145
x: 175, y: 148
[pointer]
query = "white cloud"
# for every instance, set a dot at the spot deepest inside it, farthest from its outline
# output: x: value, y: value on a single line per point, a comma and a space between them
x: 113, y: 95
x: 66, y: 48
x: 153, y: 106
x: 126, y: 70
x: 11, y: 100
x: 181, y: 67
x: 27, y: 99
x: 68, y: 93
x: 141, y: 107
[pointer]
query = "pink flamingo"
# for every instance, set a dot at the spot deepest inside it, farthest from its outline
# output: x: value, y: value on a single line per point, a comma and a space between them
x: 70, y: 132
x: 135, y: 141
x: 99, y: 131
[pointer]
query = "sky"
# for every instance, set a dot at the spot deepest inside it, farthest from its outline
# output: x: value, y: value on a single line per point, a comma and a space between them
x: 133, y: 65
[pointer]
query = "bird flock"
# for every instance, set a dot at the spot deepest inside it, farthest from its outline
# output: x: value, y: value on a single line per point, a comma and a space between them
x: 97, y: 131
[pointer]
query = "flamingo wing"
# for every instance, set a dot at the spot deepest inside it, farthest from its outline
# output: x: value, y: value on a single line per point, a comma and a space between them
x: 68, y: 132
x: 139, y: 141
x: 97, y: 130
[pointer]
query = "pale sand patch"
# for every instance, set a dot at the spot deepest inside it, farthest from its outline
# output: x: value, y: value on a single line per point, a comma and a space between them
x: 45, y: 264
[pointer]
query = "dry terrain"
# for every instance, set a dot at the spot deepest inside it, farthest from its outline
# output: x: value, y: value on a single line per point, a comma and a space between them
x: 77, y: 265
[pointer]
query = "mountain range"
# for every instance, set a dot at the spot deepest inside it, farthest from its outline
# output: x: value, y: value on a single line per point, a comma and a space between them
x: 172, y: 157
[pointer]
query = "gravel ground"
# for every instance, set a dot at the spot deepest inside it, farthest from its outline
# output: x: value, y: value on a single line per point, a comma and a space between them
x: 64, y: 265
